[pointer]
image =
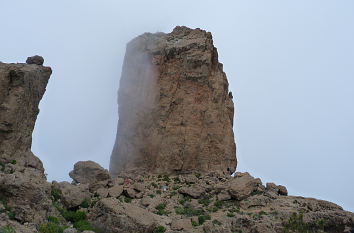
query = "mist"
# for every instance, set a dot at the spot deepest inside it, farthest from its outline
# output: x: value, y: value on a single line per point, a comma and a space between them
x: 289, y: 65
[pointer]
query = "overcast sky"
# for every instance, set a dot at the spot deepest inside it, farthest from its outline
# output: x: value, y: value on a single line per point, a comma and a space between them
x: 290, y: 65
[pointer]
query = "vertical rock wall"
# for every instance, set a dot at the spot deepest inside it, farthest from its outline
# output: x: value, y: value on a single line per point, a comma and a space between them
x: 175, y: 109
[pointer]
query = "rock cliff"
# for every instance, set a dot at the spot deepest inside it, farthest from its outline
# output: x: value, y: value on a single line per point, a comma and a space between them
x: 175, y: 109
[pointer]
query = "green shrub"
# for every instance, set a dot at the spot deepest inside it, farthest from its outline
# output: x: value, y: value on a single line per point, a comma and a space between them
x: 53, y: 219
x: 158, y: 192
x: 73, y: 217
x: 205, y: 202
x: 11, y: 215
x: 151, y: 195
x: 51, y: 227
x: 166, y: 178
x: 56, y: 193
x: 83, y: 225
x: 13, y: 162
x: 173, y: 193
x: 7, y: 229
x: 195, y: 224
x: 184, y: 200
x: 218, y: 204
x: 176, y: 187
x: 127, y: 199
x: 176, y: 180
x: 189, y: 211
x: 230, y: 215
x: 296, y: 224
x: 160, y: 229
x: 154, y: 185
x: 197, y: 175
x: 85, y: 204
x: 216, y: 222
x: 203, y: 218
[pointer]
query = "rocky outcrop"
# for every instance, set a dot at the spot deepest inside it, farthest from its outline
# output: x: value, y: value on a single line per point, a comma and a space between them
x: 21, y: 88
x: 23, y: 186
x: 175, y: 109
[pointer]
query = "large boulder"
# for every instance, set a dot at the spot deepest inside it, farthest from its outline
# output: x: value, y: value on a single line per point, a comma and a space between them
x: 175, y: 109
x: 89, y: 172
x: 113, y: 216
x: 243, y: 185
x: 72, y: 195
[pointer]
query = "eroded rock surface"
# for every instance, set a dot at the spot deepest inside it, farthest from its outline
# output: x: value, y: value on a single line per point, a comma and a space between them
x: 175, y: 109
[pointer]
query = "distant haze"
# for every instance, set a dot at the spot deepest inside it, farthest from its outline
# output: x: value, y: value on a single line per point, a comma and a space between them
x: 290, y: 65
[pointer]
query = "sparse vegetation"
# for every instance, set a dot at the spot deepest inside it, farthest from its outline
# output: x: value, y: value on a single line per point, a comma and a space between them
x: 56, y: 193
x: 218, y: 204
x: 158, y: 192
x: 154, y: 185
x: 7, y: 229
x: 216, y: 222
x: 161, y: 209
x: 14, y: 162
x: 229, y: 214
x: 184, y: 200
x: 127, y: 200
x: 198, y: 175
x: 296, y: 224
x: 166, y: 178
x: 203, y: 218
x: 51, y: 227
x: 2, y: 165
x: 205, y: 202
x: 160, y: 229
x: 176, y: 180
x: 85, y: 204
x: 189, y: 211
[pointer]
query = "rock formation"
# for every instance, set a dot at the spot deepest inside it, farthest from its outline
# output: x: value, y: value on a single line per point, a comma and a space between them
x: 209, y: 201
x: 175, y: 110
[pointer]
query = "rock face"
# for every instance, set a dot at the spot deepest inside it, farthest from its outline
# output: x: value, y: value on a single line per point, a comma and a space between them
x: 23, y: 186
x: 175, y: 110
x: 21, y: 88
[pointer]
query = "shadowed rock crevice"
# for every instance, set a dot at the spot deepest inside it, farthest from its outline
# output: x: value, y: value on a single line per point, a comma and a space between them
x: 175, y: 109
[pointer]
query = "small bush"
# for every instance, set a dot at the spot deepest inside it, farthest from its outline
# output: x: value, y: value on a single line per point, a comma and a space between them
x: 154, y: 185
x: 53, y: 219
x: 151, y: 195
x: 198, y: 175
x: 160, y: 229
x: 7, y: 229
x: 195, y: 224
x: 11, y: 215
x: 296, y: 224
x: 13, y: 162
x: 83, y: 225
x: 51, y: 227
x: 166, y: 178
x: 158, y: 192
x: 205, y: 202
x: 176, y: 187
x: 85, y: 204
x: 161, y: 209
x: 173, y: 193
x: 56, y: 193
x: 216, y: 222
x: 218, y: 204
x: 203, y: 218
x: 189, y: 211
x: 127, y: 199
x: 176, y: 180
x: 184, y: 200
x: 72, y: 216
x: 230, y: 215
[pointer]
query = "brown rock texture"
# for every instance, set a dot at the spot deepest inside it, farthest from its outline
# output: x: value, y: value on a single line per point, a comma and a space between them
x: 21, y: 88
x: 175, y: 109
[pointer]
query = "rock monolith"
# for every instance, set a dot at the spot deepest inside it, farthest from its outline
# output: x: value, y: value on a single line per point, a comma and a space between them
x: 175, y: 109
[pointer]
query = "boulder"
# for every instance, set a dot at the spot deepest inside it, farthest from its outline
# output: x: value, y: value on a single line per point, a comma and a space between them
x: 37, y: 60
x: 115, y: 191
x: 193, y: 191
x: 72, y: 195
x: 89, y: 172
x: 181, y: 224
x: 243, y: 185
x: 113, y: 216
x: 278, y: 189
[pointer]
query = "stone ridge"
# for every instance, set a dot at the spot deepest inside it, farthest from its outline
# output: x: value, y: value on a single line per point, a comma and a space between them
x: 175, y: 110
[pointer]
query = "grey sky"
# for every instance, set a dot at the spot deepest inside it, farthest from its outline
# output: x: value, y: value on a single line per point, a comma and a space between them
x: 290, y: 65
